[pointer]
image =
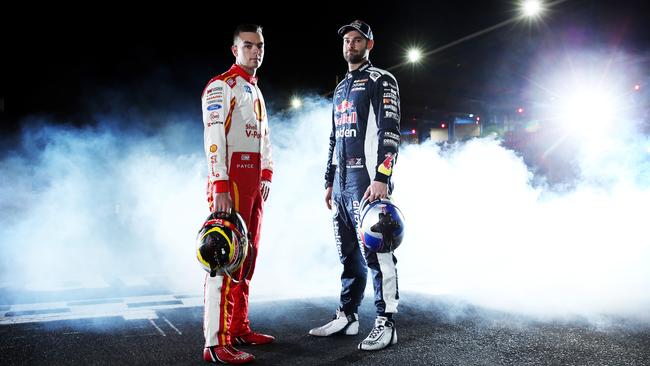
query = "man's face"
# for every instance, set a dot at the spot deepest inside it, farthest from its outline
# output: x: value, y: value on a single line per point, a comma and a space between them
x: 249, y: 50
x: 355, y: 47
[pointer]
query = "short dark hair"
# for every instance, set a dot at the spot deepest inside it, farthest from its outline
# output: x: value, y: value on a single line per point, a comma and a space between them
x: 246, y: 28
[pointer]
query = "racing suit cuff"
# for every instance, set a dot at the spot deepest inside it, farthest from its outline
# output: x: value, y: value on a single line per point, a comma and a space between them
x: 267, y: 174
x: 381, y: 178
x: 221, y: 186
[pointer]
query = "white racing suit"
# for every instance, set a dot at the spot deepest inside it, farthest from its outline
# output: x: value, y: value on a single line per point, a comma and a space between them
x: 238, y: 151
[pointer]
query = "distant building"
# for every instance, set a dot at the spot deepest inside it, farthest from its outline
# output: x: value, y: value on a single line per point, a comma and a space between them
x: 439, y: 126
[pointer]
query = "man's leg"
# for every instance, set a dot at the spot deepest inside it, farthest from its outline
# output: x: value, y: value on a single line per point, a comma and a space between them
x: 355, y: 270
x: 217, y: 316
x: 251, y: 214
x: 384, y: 279
x: 354, y: 275
x: 384, y: 272
x: 217, y: 311
x: 241, y: 331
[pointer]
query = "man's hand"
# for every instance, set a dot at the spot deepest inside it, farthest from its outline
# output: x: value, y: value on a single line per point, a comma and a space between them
x: 328, y: 197
x: 375, y: 191
x: 222, y: 202
x: 265, y: 188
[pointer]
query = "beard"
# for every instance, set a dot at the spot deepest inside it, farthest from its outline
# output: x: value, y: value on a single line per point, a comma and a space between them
x: 354, y: 58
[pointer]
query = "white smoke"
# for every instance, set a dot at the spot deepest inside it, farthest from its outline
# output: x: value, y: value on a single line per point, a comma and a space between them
x: 110, y: 202
x: 92, y: 205
x: 480, y: 231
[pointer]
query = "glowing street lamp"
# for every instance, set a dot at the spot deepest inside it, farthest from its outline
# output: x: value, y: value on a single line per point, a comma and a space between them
x: 531, y: 8
x: 296, y: 102
x: 414, y: 55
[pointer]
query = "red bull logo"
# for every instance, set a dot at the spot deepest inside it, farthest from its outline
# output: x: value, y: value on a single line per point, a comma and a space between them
x: 344, y: 106
x: 386, y: 167
x: 346, y: 119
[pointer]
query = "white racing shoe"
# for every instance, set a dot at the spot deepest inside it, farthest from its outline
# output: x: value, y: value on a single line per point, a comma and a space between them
x: 381, y: 336
x: 342, y: 324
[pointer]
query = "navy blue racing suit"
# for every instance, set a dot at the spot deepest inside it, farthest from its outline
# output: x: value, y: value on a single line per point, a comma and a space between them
x: 363, y: 145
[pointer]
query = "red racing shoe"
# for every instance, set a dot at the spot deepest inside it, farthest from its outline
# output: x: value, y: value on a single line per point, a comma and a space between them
x: 254, y: 338
x: 226, y: 354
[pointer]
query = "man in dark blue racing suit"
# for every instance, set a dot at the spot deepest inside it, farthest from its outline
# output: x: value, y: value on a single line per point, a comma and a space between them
x: 363, y: 149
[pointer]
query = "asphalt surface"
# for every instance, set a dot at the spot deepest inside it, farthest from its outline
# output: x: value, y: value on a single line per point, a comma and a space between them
x: 438, y: 331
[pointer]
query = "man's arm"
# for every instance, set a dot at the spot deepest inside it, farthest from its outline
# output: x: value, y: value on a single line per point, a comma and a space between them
x: 330, y: 170
x: 267, y: 161
x: 217, y: 104
x: 385, y: 101
x: 331, y: 157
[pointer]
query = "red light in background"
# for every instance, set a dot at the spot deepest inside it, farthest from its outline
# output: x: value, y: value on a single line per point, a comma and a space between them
x: 413, y: 131
x: 637, y: 87
x: 443, y: 125
x: 520, y: 110
x: 478, y: 118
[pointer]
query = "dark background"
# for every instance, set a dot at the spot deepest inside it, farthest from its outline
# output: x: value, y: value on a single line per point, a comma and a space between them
x: 67, y: 66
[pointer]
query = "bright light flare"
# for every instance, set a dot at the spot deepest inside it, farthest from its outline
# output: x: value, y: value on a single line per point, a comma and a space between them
x: 589, y: 110
x: 584, y: 106
x: 531, y: 8
x: 414, y: 55
x: 296, y: 102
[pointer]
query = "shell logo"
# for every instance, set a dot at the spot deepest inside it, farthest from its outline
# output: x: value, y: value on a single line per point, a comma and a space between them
x: 259, y: 110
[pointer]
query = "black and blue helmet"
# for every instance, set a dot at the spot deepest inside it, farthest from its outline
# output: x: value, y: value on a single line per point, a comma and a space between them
x: 382, y: 225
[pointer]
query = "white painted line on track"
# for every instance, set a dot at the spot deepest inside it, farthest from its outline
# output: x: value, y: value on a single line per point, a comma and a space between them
x: 172, y: 325
x: 157, y: 327
x: 129, y: 308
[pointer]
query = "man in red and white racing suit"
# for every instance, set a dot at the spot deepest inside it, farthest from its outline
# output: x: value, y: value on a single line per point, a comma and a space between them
x: 238, y: 151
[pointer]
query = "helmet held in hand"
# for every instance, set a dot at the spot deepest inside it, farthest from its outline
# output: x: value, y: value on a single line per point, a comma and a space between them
x: 381, y: 225
x: 222, y: 243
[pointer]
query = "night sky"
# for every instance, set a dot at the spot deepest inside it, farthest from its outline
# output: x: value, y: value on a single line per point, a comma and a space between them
x: 68, y: 68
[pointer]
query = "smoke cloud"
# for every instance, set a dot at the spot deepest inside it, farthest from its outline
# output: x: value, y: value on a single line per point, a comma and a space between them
x: 115, y: 200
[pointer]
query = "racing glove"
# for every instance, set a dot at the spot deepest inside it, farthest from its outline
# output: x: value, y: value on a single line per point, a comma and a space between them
x: 265, y: 187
